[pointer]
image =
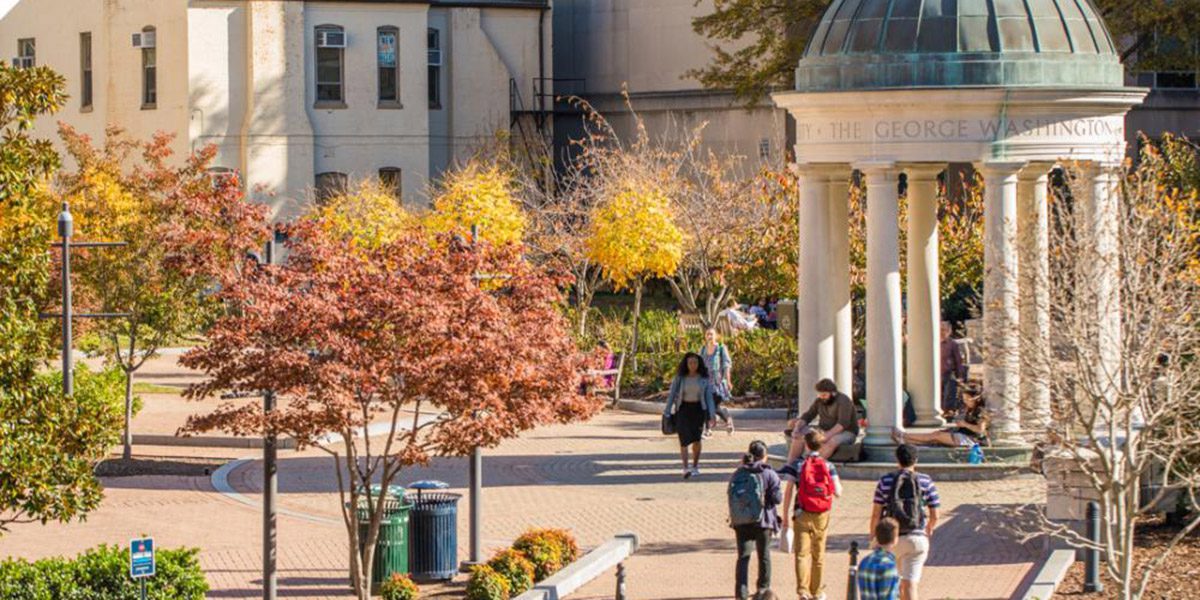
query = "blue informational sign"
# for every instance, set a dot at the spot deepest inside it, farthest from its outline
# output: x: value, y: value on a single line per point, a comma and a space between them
x: 141, y: 558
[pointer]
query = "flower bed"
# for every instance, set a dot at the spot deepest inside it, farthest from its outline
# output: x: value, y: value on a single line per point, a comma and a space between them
x: 536, y: 555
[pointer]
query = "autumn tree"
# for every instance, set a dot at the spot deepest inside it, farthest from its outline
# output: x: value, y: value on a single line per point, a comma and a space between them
x: 1123, y: 405
x: 400, y: 335
x: 368, y: 215
x: 183, y: 227
x: 49, y: 444
x: 634, y: 237
x: 479, y: 193
x: 756, y: 44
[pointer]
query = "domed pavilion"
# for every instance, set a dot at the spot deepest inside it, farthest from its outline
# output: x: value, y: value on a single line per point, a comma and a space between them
x: 891, y: 87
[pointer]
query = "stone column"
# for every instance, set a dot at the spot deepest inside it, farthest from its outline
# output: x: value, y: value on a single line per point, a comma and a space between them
x: 1098, y: 213
x: 883, y: 304
x: 814, y: 322
x: 1034, y: 244
x: 1001, y: 383
x: 839, y: 279
x: 923, y: 366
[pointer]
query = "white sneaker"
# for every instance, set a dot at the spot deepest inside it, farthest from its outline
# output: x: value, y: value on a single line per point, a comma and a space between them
x: 695, y: 472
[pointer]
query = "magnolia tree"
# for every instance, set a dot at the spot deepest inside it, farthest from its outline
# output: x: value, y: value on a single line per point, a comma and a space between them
x: 1121, y: 364
x: 183, y: 228
x: 49, y: 443
x: 400, y: 336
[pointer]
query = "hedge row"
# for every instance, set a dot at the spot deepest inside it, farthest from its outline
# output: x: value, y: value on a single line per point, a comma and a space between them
x: 103, y: 574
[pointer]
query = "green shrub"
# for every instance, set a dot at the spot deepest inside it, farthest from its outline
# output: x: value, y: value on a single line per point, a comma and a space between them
x: 542, y: 550
x: 102, y: 573
x: 399, y: 587
x: 487, y: 584
x: 514, y: 567
x: 764, y: 361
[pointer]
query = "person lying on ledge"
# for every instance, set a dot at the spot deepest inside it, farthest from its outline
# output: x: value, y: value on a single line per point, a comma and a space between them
x: 970, y: 427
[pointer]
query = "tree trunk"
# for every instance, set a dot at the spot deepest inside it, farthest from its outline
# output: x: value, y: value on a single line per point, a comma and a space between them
x: 127, y: 438
x: 637, y: 315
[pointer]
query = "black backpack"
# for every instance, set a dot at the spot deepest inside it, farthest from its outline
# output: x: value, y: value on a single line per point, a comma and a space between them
x: 906, y: 504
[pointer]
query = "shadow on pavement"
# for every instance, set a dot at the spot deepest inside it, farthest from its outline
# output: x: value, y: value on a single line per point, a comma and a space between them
x: 982, y: 534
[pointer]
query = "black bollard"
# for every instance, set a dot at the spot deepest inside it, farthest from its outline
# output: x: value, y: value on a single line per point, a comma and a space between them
x: 620, y: 581
x: 852, y: 584
x: 1091, y: 556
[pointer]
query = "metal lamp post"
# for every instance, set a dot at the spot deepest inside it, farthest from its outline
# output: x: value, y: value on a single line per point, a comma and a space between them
x: 66, y: 230
x: 475, y: 499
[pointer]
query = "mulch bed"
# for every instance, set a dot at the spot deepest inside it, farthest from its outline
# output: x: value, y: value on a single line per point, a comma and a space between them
x: 174, y: 465
x: 1176, y: 579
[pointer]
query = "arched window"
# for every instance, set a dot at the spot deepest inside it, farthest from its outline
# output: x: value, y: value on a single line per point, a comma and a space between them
x: 330, y: 184
x: 330, y: 59
x: 149, y: 68
x: 387, y: 55
x: 390, y: 178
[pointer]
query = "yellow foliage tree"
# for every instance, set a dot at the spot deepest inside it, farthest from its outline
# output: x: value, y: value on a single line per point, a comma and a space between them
x: 479, y: 195
x: 369, y: 216
x: 633, y: 237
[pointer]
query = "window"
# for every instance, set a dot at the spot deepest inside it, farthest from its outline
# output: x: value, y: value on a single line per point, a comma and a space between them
x: 331, y: 46
x: 764, y: 148
x: 26, y: 54
x: 85, y: 70
x: 433, y: 41
x: 390, y: 178
x: 387, y: 54
x: 149, y: 70
x: 330, y: 184
x: 221, y: 176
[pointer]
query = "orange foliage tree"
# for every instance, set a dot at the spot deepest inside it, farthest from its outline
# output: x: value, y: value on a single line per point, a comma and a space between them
x: 400, y: 338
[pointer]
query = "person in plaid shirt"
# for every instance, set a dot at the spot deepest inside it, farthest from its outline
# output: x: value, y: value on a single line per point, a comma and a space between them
x: 878, y: 578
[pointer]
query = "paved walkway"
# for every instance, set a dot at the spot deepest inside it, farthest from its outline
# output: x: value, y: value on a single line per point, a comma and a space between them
x: 613, y: 474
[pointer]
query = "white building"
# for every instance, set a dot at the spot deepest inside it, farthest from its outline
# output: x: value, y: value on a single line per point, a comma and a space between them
x: 296, y: 95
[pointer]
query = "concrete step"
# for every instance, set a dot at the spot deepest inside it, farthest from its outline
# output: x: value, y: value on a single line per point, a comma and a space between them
x: 870, y: 471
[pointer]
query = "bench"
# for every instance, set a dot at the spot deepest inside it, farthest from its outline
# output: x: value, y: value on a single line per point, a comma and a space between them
x: 615, y: 373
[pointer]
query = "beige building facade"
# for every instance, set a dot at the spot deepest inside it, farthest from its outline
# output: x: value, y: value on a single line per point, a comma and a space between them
x: 647, y: 47
x: 298, y: 96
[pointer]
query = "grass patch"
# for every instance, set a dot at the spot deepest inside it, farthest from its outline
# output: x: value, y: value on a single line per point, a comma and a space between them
x: 154, y: 388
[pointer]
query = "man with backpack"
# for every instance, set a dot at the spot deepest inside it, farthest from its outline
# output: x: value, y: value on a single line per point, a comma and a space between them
x: 912, y: 500
x: 753, y: 497
x: 815, y: 483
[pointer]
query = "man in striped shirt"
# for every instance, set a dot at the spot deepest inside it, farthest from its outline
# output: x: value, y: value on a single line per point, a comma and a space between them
x: 912, y: 500
x: 877, y: 575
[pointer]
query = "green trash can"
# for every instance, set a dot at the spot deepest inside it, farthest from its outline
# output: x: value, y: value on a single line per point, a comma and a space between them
x: 391, y: 547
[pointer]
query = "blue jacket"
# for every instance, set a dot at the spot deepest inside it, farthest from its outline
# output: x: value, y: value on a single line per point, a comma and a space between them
x: 707, y: 395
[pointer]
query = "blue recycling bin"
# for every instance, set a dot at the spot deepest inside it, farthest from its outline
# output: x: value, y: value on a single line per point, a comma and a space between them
x: 433, y: 531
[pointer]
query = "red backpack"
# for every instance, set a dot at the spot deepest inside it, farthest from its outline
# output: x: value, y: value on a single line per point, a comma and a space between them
x: 814, y: 486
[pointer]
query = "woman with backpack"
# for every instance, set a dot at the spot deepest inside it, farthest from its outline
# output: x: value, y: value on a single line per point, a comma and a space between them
x: 690, y: 407
x: 716, y: 358
x: 815, y: 483
x: 754, y: 493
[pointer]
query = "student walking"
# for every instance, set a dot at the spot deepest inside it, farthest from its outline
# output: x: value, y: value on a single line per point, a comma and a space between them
x: 754, y: 494
x: 815, y: 483
x: 912, y: 500
x: 877, y: 577
x: 720, y: 367
x: 690, y: 405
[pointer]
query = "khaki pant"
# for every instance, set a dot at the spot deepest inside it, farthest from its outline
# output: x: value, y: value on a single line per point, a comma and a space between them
x: 810, y: 530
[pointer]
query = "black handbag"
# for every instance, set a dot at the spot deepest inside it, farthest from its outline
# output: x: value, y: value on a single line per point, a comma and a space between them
x: 668, y: 424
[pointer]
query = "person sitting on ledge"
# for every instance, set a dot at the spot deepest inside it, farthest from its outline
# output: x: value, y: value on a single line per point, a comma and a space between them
x: 970, y: 427
x: 835, y: 417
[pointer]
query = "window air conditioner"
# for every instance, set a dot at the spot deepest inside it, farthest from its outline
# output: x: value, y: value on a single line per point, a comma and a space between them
x: 145, y: 39
x: 331, y: 39
x: 435, y: 57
